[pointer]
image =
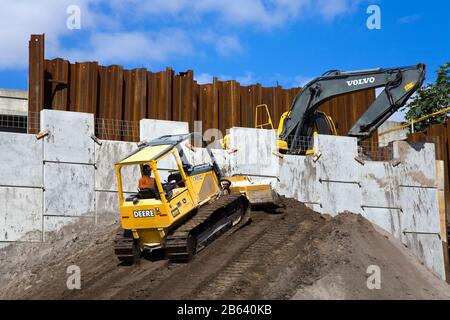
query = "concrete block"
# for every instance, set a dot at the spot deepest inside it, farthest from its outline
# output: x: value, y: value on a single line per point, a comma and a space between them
x: 4, y: 245
x: 106, y: 156
x: 417, y: 166
x: 70, y: 136
x: 54, y: 223
x: 340, y: 197
x: 107, y: 205
x: 20, y: 160
x: 420, y: 209
x: 396, y: 135
x: 254, y: 152
x: 313, y: 206
x: 20, y: 214
x: 69, y: 189
x: 387, y: 219
x: 150, y: 128
x: 379, y: 184
x: 14, y: 102
x: 299, y: 179
x: 337, y: 162
x: 428, y: 250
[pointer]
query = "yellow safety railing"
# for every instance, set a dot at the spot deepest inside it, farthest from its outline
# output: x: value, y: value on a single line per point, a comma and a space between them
x: 262, y: 125
x: 407, y: 124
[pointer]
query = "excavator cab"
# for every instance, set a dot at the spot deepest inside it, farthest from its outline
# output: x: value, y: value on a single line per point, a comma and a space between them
x: 322, y: 124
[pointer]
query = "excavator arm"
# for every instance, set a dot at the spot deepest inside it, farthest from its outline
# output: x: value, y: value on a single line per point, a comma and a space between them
x: 399, y: 84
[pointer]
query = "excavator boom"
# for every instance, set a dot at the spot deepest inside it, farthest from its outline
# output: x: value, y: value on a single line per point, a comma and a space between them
x: 399, y: 84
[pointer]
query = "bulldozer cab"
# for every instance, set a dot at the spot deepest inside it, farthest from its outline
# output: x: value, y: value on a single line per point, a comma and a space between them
x: 180, y: 184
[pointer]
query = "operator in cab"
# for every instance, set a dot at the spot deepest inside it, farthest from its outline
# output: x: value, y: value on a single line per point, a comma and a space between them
x: 147, y: 182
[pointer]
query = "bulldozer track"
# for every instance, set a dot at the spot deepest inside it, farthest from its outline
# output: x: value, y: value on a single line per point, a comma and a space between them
x: 181, y: 244
x: 125, y: 248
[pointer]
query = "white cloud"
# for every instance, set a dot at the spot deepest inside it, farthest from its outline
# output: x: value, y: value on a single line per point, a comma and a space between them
x: 20, y: 18
x: 247, y: 79
x: 264, y: 14
x: 129, y: 47
x: 300, y: 81
x: 228, y: 45
x: 113, y: 39
x: 203, y: 78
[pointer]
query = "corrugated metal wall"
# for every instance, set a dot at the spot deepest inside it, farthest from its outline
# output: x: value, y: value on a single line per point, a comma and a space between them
x: 119, y: 98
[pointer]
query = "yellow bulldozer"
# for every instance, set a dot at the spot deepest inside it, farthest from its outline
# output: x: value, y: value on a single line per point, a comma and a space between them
x: 186, y: 209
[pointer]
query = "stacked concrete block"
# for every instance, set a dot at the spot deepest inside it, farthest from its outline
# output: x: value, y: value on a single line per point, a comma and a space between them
x: 107, y: 154
x: 418, y: 197
x: 380, y: 195
x: 150, y: 128
x: 69, y: 172
x: 254, y: 152
x: 338, y: 175
x: 20, y: 187
x: 298, y: 179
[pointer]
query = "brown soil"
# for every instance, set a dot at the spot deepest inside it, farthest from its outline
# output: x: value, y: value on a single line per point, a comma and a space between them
x: 293, y: 253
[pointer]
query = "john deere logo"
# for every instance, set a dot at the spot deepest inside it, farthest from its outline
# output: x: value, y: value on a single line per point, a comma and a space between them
x: 143, y: 213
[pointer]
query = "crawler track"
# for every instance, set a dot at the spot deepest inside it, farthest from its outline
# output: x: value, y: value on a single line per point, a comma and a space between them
x: 125, y: 247
x: 209, y: 222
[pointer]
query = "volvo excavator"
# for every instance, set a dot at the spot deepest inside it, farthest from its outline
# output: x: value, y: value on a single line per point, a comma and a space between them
x: 188, y: 209
x: 303, y: 120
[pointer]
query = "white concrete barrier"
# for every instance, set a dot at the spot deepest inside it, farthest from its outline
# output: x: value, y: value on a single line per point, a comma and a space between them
x: 79, y: 182
x: 70, y: 136
x: 69, y: 189
x: 20, y: 160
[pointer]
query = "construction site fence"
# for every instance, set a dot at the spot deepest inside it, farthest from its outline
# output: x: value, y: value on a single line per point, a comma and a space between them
x: 127, y: 96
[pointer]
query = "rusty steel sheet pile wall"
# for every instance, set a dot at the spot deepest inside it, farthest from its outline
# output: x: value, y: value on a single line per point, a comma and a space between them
x: 119, y: 98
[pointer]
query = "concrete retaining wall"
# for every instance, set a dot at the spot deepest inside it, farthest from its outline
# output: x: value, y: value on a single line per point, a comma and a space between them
x: 66, y: 176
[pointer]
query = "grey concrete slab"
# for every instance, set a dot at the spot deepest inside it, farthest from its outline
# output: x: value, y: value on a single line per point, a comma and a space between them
x: 420, y: 209
x: 428, y: 250
x: 20, y: 160
x: 254, y: 155
x: 385, y: 139
x: 55, y: 223
x: 299, y: 179
x: 379, y: 184
x: 107, y: 203
x: 14, y: 102
x: 340, y: 197
x: 20, y: 214
x: 70, y: 136
x: 337, y: 162
x: 69, y: 189
x: 106, y: 156
x: 387, y: 219
x: 417, y: 167
x: 150, y: 128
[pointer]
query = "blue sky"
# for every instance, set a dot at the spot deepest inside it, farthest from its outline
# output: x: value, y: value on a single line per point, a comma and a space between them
x: 266, y: 41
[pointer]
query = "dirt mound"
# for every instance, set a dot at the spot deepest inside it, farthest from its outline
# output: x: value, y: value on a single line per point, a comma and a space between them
x: 293, y: 253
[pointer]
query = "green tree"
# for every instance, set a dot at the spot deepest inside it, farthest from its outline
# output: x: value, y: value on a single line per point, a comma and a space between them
x: 431, y: 98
